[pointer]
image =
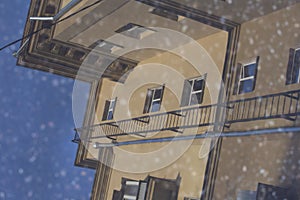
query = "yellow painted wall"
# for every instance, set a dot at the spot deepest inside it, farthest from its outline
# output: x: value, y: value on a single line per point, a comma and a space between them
x: 171, y: 70
x: 270, y: 37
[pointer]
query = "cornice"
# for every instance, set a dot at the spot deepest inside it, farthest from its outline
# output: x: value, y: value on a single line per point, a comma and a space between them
x: 64, y: 58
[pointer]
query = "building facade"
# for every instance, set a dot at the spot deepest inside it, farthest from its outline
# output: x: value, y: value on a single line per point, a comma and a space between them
x: 201, y: 98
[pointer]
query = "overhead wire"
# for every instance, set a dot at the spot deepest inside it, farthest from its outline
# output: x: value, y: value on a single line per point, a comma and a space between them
x: 54, y: 23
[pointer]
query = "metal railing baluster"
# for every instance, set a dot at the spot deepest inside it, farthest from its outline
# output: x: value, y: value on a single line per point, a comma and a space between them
x: 266, y: 107
x: 272, y: 103
x: 283, y: 107
x: 280, y: 105
x: 291, y: 103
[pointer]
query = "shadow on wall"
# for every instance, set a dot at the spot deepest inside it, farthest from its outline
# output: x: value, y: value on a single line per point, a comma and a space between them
x: 259, y: 167
x: 267, y: 192
x: 290, y: 171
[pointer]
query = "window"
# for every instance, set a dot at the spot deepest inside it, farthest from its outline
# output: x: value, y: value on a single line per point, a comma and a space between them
x: 131, y: 190
x: 153, y: 99
x: 293, y: 71
x: 269, y: 192
x: 193, y: 91
x: 167, y: 14
x: 246, y: 77
x: 135, y: 31
x: 106, y: 46
x: 109, y: 109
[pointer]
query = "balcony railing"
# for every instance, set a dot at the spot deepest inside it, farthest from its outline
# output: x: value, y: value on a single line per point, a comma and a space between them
x: 176, y: 121
x: 281, y: 105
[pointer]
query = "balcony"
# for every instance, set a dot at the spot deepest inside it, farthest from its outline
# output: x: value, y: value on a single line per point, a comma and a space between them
x: 283, y: 105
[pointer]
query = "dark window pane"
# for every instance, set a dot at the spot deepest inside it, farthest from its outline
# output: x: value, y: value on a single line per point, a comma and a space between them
x: 198, y: 85
x: 196, y: 98
x: 105, y: 112
x: 249, y: 70
x: 246, y: 86
x: 131, y: 190
x: 295, y: 74
x: 157, y: 94
x: 110, y: 115
x: 296, y: 67
x: 297, y: 55
x: 155, y: 106
x: 290, y: 67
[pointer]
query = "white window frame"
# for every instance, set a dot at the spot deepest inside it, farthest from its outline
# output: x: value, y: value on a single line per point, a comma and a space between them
x: 109, y: 46
x: 129, y: 197
x: 241, y: 78
x: 155, y: 100
x: 134, y: 183
x: 192, y: 87
x: 136, y: 31
x: 111, y: 108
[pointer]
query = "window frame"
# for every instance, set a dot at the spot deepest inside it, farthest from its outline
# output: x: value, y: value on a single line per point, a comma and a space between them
x: 292, y: 78
x: 149, y: 102
x: 106, y: 46
x: 198, y: 91
x: 109, y: 108
x: 239, y: 73
x: 188, y: 92
x: 135, y: 31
